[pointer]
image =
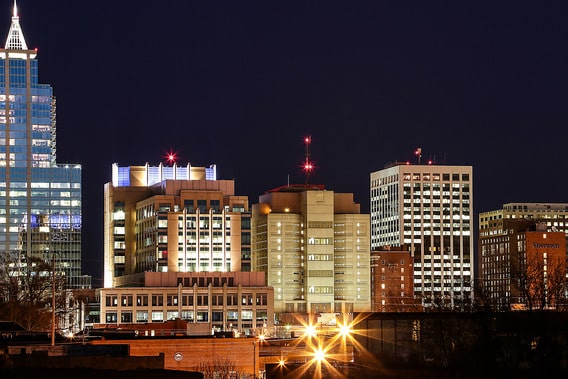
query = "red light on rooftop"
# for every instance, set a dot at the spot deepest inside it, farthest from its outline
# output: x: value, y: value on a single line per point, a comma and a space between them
x: 171, y: 157
x: 308, y: 167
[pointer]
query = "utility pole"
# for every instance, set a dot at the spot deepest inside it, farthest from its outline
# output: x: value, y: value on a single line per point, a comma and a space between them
x: 53, y: 300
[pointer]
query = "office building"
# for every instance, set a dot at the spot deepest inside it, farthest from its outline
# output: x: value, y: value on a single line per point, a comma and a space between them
x: 523, y: 267
x: 554, y: 215
x: 429, y: 209
x: 206, y: 302
x: 313, y: 245
x: 40, y: 211
x: 392, y: 281
x: 172, y: 219
x: 501, y: 225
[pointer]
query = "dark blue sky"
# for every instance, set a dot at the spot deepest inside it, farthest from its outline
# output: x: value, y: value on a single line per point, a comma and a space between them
x: 240, y: 83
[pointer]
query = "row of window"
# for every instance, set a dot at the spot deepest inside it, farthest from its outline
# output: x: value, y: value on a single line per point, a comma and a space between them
x: 426, y: 176
x: 434, y: 177
x: 142, y: 316
x: 186, y: 300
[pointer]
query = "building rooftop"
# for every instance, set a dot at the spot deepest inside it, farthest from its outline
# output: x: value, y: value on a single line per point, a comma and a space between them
x: 298, y: 188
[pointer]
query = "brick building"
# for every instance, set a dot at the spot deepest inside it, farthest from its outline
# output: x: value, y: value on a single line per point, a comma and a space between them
x: 392, y: 287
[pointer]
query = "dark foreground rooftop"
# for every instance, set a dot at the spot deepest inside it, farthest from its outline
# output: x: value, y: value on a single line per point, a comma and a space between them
x: 65, y: 373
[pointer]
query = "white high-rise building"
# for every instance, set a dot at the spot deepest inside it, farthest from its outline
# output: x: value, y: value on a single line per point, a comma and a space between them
x: 428, y: 208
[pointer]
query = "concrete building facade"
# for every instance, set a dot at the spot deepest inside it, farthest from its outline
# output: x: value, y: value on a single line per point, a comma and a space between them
x: 313, y: 245
x: 206, y: 301
x: 428, y: 208
x: 173, y: 219
x: 554, y: 215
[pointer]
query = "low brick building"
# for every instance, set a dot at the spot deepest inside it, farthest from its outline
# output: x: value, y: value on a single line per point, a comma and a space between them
x: 392, y: 276
x: 196, y: 354
x: 206, y: 301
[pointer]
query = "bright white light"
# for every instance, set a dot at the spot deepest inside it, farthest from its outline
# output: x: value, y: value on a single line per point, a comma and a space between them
x: 310, y: 331
x: 344, y: 330
x: 319, y: 355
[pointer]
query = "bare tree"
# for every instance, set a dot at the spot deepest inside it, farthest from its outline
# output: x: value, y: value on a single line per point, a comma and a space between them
x: 221, y: 368
x: 483, y: 301
x: 26, y: 292
x: 555, y: 282
x: 538, y: 282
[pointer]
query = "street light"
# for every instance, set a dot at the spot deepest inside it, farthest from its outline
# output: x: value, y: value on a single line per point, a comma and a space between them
x: 319, y: 359
x: 319, y: 354
x: 260, y: 339
x: 310, y: 331
x: 345, y: 330
x: 53, y: 300
x: 254, y: 359
x: 281, y: 361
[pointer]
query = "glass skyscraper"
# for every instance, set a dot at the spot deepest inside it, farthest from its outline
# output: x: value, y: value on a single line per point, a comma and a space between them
x: 40, y: 210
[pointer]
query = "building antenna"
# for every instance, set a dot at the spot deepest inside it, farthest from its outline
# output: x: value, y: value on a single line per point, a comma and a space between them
x: 418, y: 153
x: 308, y: 166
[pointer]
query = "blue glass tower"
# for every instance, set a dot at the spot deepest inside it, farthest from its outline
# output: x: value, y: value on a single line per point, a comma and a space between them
x: 40, y: 200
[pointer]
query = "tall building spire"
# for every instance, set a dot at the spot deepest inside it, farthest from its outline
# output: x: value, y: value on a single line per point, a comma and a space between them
x: 15, y: 40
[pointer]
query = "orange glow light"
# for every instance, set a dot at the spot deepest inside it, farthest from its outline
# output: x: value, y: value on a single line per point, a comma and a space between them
x: 319, y: 354
x: 310, y: 331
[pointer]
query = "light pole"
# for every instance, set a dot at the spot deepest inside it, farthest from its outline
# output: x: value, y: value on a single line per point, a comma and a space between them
x: 319, y: 358
x: 258, y: 341
x: 53, y: 300
x: 254, y: 359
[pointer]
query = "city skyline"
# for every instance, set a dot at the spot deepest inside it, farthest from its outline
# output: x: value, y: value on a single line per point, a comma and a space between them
x: 240, y: 85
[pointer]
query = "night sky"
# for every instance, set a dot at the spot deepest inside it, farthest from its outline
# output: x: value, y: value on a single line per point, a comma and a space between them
x: 239, y: 84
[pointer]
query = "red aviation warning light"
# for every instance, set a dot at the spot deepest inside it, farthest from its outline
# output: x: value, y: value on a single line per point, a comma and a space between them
x: 308, y: 167
x: 418, y: 153
x: 171, y: 157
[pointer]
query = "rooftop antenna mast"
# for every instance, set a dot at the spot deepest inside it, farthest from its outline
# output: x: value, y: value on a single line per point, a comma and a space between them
x: 418, y: 153
x: 308, y: 166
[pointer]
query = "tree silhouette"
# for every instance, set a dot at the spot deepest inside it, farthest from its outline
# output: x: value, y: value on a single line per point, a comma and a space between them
x: 539, y: 282
x: 221, y: 368
x: 26, y: 292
